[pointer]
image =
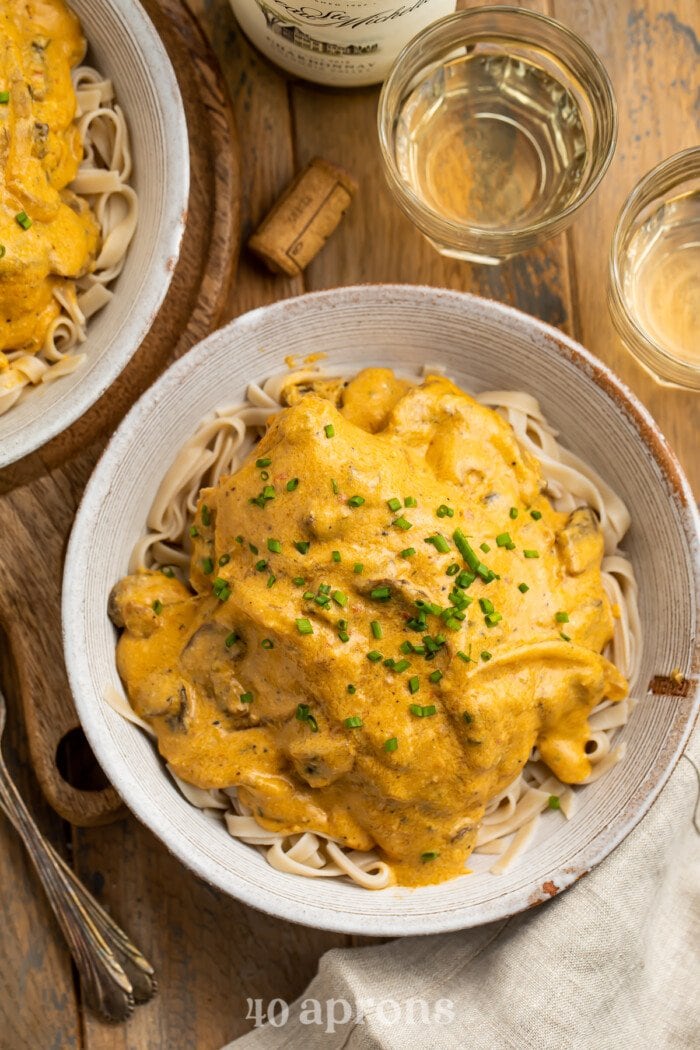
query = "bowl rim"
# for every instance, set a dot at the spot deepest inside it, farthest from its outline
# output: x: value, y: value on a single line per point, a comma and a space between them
x: 139, y: 319
x: 395, y: 923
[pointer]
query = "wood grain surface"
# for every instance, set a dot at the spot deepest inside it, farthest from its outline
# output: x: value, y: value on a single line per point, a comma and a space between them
x: 212, y: 953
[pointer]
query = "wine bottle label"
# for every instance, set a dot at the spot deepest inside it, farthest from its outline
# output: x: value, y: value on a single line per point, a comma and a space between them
x: 345, y: 44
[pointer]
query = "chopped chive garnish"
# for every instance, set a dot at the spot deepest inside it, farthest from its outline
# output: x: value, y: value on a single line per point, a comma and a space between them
x: 354, y: 722
x: 465, y: 579
x: 414, y: 684
x: 523, y: 588
x: 465, y: 550
x: 298, y: 581
x: 374, y: 656
x: 390, y: 663
x: 561, y: 617
x: 264, y: 475
x: 443, y: 511
x: 452, y: 569
x: 168, y: 571
x: 302, y: 546
x: 335, y: 555
x: 157, y: 606
x: 23, y: 220
x: 484, y: 547
x: 292, y: 484
x: 402, y: 523
x: 503, y: 539
x: 194, y: 531
x: 252, y: 548
x: 221, y: 589
x: 377, y: 629
x: 486, y: 605
x: 493, y: 618
x: 406, y: 647
x: 536, y: 514
x: 239, y: 539
x: 394, y: 504
x: 380, y: 594
x: 435, y: 676
x: 344, y: 636
x: 304, y: 626
x: 468, y: 718
x: 356, y: 501
x: 340, y: 598
x: 4, y: 97
x: 263, y: 462
x: 207, y: 566
x: 261, y: 565
x: 231, y: 639
x: 308, y: 596
x: 342, y: 624
x: 275, y: 546
x: 304, y: 715
x: 410, y: 501
x: 531, y: 554
x: 351, y: 688
x: 246, y: 698
x: 267, y: 643
x: 391, y: 744
x: 485, y: 655
x: 206, y: 516
x: 271, y: 580
x: 408, y: 552
x: 553, y: 802
x: 429, y: 855
x: 322, y: 600
x: 329, y: 430
x: 357, y: 568
x: 564, y: 637
x: 513, y: 513
x: 224, y: 559
x: 268, y: 492
x: 423, y: 712
x: 439, y: 542
x: 400, y: 666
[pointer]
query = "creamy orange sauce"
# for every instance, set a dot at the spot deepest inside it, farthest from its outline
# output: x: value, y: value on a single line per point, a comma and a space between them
x: 40, y: 150
x: 221, y: 673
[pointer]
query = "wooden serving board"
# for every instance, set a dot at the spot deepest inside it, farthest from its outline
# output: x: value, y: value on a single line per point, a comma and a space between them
x: 40, y: 494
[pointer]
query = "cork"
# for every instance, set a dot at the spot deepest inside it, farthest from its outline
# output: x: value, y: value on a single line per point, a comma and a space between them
x: 304, y: 217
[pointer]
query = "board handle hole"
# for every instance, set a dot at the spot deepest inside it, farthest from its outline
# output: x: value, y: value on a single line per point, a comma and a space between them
x: 77, y: 764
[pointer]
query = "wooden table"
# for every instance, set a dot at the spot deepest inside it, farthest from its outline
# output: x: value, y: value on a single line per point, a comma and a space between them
x: 210, y: 952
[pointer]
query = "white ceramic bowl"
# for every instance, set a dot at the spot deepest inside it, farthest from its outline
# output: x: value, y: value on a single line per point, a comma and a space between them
x: 481, y: 345
x: 124, y: 45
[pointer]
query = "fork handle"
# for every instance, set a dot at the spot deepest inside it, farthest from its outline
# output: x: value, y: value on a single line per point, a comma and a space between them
x: 114, y: 972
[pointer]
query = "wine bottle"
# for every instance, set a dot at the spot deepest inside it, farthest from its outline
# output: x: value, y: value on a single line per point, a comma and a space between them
x: 341, y: 43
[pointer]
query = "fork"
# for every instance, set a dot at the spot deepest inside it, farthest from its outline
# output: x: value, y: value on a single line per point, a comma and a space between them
x: 115, y: 974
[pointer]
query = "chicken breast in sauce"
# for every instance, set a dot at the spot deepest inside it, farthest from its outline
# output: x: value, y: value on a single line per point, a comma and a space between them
x: 379, y: 632
x: 47, y: 233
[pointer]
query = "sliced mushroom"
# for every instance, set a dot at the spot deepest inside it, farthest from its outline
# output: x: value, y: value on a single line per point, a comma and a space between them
x: 580, y: 542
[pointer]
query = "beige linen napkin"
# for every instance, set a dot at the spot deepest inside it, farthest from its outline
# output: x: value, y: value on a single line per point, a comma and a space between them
x: 612, y: 964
